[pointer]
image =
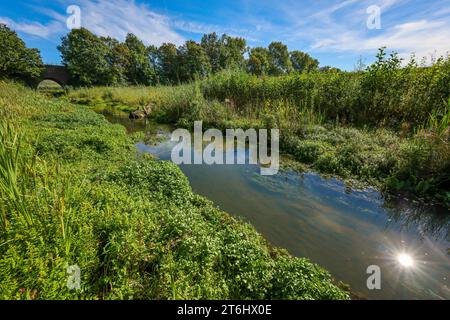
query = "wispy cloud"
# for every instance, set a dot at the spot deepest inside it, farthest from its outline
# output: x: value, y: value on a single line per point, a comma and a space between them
x: 443, y: 11
x: 327, y: 28
x: 202, y: 28
x: 422, y: 37
x: 114, y: 18
x: 341, y: 27
x: 33, y: 28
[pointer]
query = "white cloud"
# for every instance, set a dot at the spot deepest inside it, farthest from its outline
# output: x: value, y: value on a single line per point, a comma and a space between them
x: 203, y: 28
x: 329, y: 26
x: 443, y: 11
x: 341, y: 28
x: 33, y: 28
x: 195, y: 27
x: 116, y: 18
x: 334, y: 8
x: 421, y: 37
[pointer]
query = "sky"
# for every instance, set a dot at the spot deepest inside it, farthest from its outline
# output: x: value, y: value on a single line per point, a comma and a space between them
x: 337, y: 33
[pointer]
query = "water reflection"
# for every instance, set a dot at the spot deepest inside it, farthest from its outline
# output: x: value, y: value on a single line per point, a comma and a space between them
x: 436, y: 223
x: 119, y: 117
x: 343, y: 229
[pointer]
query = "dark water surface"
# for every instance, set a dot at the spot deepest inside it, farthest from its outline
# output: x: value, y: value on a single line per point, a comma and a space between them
x: 342, y: 229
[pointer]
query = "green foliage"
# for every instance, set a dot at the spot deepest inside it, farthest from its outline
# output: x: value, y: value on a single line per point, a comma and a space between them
x: 85, y: 56
x: 419, y: 164
x: 213, y: 47
x: 384, y: 95
x: 104, y: 61
x: 233, y: 53
x: 392, y: 95
x: 224, y: 52
x: 16, y: 60
x: 73, y: 190
x: 193, y: 62
x: 259, y: 61
x: 279, y: 59
x: 93, y: 60
x: 118, y: 59
x: 160, y: 180
x: 402, y: 114
x: 285, y: 287
x: 167, y: 56
x: 303, y: 62
x: 133, y: 96
x: 139, y: 68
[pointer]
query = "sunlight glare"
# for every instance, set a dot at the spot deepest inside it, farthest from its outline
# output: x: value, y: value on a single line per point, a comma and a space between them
x: 405, y: 260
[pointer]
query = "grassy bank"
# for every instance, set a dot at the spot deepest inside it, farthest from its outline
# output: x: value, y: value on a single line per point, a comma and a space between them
x: 74, y: 191
x: 387, y: 126
x: 385, y: 94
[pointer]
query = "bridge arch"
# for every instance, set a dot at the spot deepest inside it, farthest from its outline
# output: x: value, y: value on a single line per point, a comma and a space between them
x: 56, y: 73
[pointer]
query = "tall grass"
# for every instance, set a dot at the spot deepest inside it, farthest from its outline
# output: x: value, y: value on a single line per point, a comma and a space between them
x: 133, y: 96
x: 29, y: 187
x: 133, y: 225
x: 386, y: 94
x: 408, y: 100
x: 9, y: 175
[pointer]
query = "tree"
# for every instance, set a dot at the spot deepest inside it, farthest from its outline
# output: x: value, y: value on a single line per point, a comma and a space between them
x: 152, y: 54
x: 193, y: 61
x: 16, y: 60
x: 224, y: 52
x: 233, y: 52
x: 86, y: 57
x: 168, y: 64
x: 139, y: 68
x: 213, y: 47
x: 118, y: 58
x: 303, y: 62
x: 279, y: 59
x: 259, y: 61
x: 329, y: 69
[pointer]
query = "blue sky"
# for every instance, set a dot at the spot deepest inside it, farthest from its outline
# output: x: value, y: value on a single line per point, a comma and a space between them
x: 333, y: 31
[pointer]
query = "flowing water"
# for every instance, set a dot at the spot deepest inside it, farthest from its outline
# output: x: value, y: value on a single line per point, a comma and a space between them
x: 342, y: 229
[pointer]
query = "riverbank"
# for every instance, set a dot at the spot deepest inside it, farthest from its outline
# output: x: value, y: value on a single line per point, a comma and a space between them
x: 341, y: 227
x: 414, y: 161
x: 75, y: 192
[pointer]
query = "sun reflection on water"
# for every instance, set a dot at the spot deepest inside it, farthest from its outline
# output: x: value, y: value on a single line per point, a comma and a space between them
x: 405, y: 260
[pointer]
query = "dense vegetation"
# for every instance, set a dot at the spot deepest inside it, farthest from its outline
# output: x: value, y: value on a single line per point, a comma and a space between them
x: 94, y: 60
x: 16, y: 60
x: 73, y: 190
x: 72, y: 194
x: 387, y: 125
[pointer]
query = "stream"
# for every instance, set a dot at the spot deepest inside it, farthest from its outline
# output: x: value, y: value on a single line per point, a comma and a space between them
x: 342, y: 229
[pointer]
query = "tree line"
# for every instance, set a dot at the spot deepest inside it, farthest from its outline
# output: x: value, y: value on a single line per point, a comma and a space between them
x: 92, y: 60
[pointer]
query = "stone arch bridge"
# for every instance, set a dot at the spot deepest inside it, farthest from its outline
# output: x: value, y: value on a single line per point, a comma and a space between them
x: 57, y: 73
